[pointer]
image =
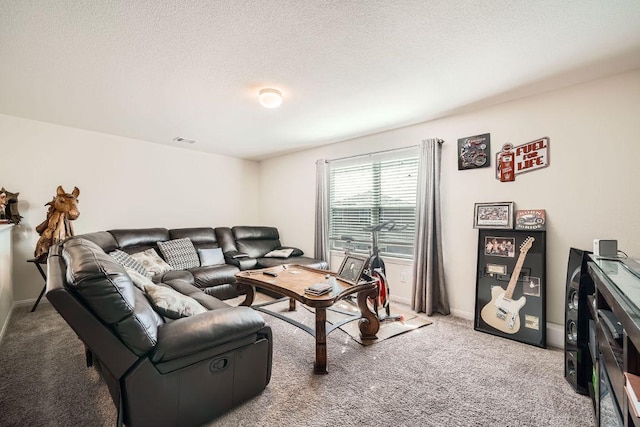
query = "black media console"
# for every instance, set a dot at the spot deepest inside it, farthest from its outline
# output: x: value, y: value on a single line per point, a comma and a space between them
x: 614, y: 337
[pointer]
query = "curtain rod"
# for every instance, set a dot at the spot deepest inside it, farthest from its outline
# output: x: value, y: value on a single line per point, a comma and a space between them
x: 440, y: 141
x: 371, y: 154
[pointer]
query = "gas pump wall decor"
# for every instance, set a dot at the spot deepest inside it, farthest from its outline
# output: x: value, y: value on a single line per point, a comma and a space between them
x: 512, y: 161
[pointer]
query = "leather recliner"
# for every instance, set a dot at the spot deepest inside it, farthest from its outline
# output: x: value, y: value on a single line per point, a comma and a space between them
x: 159, y: 373
x: 246, y: 247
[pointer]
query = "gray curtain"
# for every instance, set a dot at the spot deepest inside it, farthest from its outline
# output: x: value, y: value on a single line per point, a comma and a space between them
x: 429, y: 291
x: 321, y: 244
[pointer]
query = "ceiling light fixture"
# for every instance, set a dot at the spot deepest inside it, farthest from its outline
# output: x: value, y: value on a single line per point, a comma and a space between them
x: 270, y: 98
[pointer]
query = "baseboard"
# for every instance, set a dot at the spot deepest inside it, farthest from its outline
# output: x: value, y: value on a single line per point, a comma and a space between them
x: 555, y: 332
x: 401, y: 300
x: 6, y: 322
x: 16, y: 304
x: 555, y: 335
x: 29, y: 302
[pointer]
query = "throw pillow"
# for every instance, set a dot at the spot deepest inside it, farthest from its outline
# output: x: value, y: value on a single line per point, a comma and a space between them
x: 138, y: 279
x: 180, y: 253
x: 128, y: 261
x: 152, y: 262
x: 279, y: 253
x: 211, y: 256
x: 171, y: 303
x: 296, y: 251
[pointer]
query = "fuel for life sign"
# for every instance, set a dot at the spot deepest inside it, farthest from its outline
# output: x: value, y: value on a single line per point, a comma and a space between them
x: 512, y: 161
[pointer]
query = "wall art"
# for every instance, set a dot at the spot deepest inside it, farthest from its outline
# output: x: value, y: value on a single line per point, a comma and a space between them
x: 493, y: 215
x: 515, y: 160
x: 513, y: 305
x: 531, y: 219
x: 474, y: 152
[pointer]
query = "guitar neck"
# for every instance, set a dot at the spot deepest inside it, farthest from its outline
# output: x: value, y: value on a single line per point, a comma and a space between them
x: 514, y: 276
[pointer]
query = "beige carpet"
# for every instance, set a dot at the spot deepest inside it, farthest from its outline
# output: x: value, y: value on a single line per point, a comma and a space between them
x: 444, y: 375
x: 411, y: 320
x: 388, y: 328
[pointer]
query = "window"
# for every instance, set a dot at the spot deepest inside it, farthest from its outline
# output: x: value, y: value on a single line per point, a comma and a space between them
x: 369, y: 190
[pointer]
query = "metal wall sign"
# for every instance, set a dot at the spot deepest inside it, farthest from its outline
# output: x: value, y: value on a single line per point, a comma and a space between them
x: 514, y: 160
x: 474, y: 151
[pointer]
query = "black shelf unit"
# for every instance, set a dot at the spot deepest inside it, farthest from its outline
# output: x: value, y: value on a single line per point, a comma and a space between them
x: 616, y: 325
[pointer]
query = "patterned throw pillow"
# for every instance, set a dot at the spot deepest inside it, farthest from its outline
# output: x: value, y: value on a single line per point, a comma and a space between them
x: 152, y: 262
x: 138, y: 279
x: 180, y: 253
x: 128, y: 261
x: 171, y: 303
x: 279, y: 253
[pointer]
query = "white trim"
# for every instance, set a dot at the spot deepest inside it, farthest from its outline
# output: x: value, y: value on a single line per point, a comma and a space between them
x: 22, y: 303
x: 6, y: 322
x: 555, y: 332
x: 461, y: 314
x: 401, y: 300
x: 555, y: 335
x: 30, y: 302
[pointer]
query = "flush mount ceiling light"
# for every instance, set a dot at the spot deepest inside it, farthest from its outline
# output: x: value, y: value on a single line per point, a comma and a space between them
x: 270, y: 98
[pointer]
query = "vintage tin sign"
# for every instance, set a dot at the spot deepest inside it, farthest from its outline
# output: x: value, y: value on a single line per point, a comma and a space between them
x: 474, y: 151
x: 512, y: 161
x: 532, y: 219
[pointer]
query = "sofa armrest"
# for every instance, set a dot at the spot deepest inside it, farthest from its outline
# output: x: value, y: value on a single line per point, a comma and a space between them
x: 296, y: 251
x: 190, y: 335
x: 235, y: 255
x: 240, y: 259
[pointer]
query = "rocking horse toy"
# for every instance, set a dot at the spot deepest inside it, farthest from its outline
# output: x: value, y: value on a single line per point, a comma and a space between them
x: 57, y: 227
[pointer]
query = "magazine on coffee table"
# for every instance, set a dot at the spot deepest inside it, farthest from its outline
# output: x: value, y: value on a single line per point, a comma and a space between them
x: 318, y: 289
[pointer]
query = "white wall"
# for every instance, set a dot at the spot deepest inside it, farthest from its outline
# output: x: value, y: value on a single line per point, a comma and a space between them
x: 6, y: 288
x: 589, y: 189
x: 124, y: 183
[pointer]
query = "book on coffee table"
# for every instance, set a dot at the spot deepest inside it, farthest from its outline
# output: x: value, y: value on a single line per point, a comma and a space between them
x: 318, y: 289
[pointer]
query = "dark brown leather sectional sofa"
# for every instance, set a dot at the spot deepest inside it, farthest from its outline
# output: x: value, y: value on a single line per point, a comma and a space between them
x: 163, y: 372
x: 244, y: 248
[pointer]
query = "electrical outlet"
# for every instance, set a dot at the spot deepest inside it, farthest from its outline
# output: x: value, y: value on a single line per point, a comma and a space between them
x: 403, y: 277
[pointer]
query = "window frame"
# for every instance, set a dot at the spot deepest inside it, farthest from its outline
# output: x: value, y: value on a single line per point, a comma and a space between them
x: 398, y: 162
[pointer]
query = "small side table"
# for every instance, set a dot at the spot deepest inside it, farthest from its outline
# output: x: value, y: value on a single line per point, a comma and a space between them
x: 39, y: 263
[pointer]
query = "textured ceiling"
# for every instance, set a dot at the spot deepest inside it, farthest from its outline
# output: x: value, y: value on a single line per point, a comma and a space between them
x: 154, y: 70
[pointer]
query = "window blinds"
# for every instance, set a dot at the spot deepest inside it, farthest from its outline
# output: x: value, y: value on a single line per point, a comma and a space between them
x: 369, y: 190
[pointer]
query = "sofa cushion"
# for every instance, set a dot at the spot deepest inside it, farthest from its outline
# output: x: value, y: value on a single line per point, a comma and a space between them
x: 184, y: 275
x: 205, y: 277
x: 179, y: 253
x: 171, y: 303
x: 210, y: 256
x: 104, y: 239
x: 199, y: 236
x: 152, y: 262
x: 128, y: 262
x: 139, y: 239
x: 256, y: 241
x: 105, y: 287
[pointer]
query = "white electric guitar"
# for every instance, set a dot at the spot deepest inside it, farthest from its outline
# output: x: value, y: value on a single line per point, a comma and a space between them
x: 502, y: 312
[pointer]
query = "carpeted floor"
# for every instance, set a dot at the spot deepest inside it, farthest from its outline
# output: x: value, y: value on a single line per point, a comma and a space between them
x: 445, y: 374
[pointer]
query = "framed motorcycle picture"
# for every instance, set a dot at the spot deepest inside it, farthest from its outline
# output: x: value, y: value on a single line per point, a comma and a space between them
x: 511, y: 285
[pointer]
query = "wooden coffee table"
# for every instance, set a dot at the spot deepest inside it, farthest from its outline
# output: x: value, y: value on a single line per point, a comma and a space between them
x: 291, y: 281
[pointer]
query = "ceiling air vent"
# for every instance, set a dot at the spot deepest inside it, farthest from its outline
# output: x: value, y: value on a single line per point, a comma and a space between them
x: 184, y: 140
